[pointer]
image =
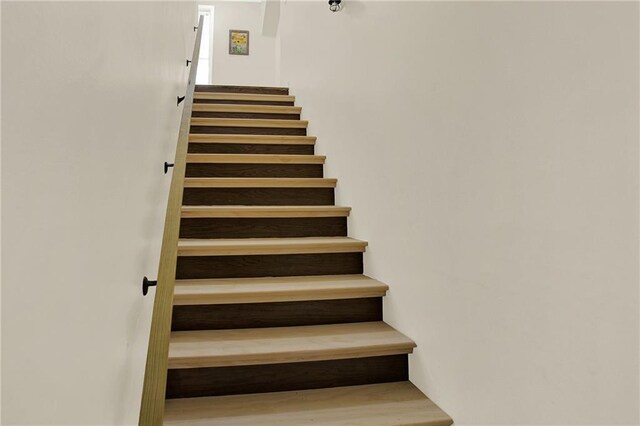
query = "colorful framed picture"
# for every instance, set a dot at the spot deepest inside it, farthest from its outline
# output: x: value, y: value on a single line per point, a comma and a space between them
x: 238, y: 42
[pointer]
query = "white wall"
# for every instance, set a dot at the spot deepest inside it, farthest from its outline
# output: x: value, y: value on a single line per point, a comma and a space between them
x: 256, y: 69
x: 88, y: 118
x: 490, y: 153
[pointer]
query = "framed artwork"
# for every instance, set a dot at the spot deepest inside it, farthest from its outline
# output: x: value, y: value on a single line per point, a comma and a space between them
x: 238, y: 42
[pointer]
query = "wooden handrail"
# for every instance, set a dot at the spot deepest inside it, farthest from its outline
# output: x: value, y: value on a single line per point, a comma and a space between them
x: 155, y: 374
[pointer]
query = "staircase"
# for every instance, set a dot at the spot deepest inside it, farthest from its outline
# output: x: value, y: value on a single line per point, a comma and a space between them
x: 273, y: 322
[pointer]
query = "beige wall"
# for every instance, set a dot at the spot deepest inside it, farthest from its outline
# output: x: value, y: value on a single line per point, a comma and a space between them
x: 88, y: 118
x: 256, y: 69
x: 490, y: 153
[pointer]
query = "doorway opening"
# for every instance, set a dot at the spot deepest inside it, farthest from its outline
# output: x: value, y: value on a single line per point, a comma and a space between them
x: 204, y: 74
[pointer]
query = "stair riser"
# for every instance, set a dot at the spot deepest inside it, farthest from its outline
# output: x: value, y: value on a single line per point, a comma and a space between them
x: 263, y: 227
x: 254, y: 170
x: 242, y: 102
x: 236, y: 148
x: 195, y: 382
x: 242, y: 89
x: 287, y: 265
x: 258, y: 196
x: 223, y: 130
x: 280, y: 314
x: 254, y: 115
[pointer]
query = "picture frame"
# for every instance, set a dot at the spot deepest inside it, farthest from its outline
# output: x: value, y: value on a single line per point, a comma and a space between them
x: 238, y: 42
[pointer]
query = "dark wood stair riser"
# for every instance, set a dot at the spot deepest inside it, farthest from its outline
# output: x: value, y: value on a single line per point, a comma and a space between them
x: 283, y: 265
x: 258, y: 196
x: 270, y: 227
x: 280, y: 314
x: 242, y: 102
x: 214, y: 88
x: 222, y: 130
x: 253, y: 170
x: 196, y: 382
x: 252, y: 115
x: 237, y: 148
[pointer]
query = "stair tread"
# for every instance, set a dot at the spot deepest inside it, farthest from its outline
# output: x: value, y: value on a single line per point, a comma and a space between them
x: 386, y: 404
x: 257, y: 246
x: 280, y: 289
x: 255, y: 158
x: 255, y: 109
x: 264, y: 211
x: 217, y: 348
x: 260, y: 182
x: 248, y: 122
x: 252, y: 139
x: 243, y: 97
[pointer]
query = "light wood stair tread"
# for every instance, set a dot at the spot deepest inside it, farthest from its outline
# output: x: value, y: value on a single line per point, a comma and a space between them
x: 387, y: 404
x: 252, y: 139
x: 264, y: 211
x: 243, y: 97
x: 255, y: 158
x: 249, y: 122
x: 253, y: 109
x: 276, y: 289
x: 258, y: 246
x: 259, y: 183
x: 216, y: 348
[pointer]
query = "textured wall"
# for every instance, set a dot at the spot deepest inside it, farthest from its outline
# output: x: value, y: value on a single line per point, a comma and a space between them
x: 88, y: 117
x: 490, y: 153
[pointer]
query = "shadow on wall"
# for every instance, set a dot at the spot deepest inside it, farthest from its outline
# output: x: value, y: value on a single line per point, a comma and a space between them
x: 355, y: 9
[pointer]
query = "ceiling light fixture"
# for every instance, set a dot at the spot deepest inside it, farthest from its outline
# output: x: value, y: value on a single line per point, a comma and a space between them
x: 335, y: 6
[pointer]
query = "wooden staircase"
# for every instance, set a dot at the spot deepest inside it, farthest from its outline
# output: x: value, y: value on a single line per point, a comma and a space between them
x: 272, y: 321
